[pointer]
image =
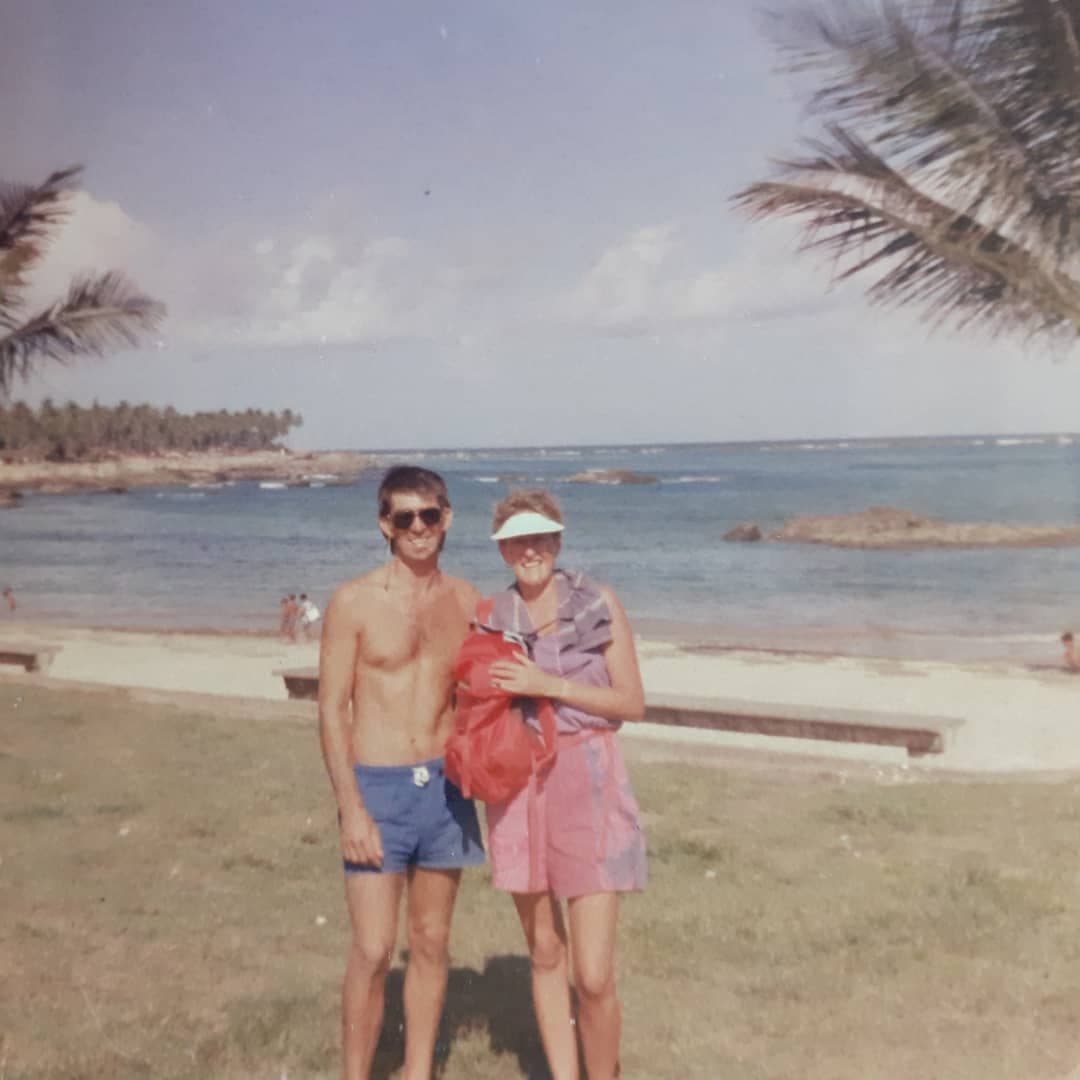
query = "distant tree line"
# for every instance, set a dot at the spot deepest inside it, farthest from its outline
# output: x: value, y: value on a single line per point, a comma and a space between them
x: 72, y: 432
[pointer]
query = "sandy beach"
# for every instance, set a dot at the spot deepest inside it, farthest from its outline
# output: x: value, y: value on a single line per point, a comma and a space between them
x: 1014, y: 719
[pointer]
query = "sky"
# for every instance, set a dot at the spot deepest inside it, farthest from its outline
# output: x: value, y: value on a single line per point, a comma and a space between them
x: 482, y: 223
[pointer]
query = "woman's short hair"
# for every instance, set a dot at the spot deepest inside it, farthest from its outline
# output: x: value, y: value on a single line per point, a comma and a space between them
x: 535, y: 499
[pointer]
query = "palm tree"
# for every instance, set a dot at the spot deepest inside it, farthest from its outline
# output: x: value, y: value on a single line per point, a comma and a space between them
x: 99, y: 312
x: 947, y: 170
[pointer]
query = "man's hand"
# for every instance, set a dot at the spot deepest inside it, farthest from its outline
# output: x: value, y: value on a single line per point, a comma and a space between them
x: 520, y: 676
x: 360, y: 839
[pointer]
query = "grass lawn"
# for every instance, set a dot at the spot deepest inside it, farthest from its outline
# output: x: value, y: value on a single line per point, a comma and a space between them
x: 171, y: 907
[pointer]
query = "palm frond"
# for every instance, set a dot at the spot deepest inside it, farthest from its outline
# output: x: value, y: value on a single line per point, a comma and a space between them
x: 98, y: 314
x: 949, y: 165
x: 27, y: 216
x: 1028, y: 56
x: 931, y: 87
x: 868, y: 217
x: 1043, y: 37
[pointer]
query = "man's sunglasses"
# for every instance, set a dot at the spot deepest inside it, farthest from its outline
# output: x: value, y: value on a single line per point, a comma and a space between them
x: 403, y: 519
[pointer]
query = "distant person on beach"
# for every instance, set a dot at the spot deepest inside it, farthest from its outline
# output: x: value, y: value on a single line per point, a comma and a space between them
x: 307, y: 615
x: 385, y: 709
x: 287, y: 618
x: 1072, y: 661
x: 574, y: 834
x: 9, y: 598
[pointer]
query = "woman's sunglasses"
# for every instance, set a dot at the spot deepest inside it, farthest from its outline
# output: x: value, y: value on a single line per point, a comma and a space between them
x: 403, y: 519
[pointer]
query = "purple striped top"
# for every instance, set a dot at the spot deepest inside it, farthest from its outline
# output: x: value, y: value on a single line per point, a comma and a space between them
x: 574, y: 650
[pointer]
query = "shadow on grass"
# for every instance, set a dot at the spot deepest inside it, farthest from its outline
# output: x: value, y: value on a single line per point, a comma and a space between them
x: 494, y: 1006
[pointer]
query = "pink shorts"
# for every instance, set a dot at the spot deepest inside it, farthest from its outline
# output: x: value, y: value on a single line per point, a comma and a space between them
x: 576, y: 832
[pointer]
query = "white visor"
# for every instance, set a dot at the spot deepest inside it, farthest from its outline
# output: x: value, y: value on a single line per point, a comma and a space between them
x: 526, y: 523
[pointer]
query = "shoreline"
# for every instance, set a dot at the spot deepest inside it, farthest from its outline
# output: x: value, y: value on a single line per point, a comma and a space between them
x: 1014, y: 720
x: 173, y: 468
x: 1030, y: 648
x: 1029, y: 651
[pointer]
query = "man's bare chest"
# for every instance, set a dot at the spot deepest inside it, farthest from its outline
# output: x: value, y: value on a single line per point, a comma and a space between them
x: 427, y: 637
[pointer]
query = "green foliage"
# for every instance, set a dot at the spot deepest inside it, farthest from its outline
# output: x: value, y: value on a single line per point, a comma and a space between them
x: 100, y: 311
x: 73, y: 433
x: 945, y: 172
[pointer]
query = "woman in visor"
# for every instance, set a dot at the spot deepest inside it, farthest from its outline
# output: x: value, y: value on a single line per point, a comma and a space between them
x: 574, y: 834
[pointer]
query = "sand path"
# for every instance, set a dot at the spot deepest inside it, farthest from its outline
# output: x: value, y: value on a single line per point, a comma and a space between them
x: 1015, y: 719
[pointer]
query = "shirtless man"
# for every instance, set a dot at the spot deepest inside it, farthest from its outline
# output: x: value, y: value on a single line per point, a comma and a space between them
x: 385, y: 708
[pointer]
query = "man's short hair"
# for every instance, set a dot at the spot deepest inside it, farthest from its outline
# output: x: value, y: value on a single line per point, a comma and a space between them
x: 412, y: 479
x: 1067, y: 636
x: 536, y: 499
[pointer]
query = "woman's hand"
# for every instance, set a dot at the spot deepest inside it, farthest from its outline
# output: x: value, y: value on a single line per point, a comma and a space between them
x: 521, y: 677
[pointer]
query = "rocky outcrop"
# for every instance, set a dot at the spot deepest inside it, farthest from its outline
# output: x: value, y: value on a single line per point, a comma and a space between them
x: 888, y: 527
x: 121, y: 473
x: 744, y: 532
x: 611, y: 476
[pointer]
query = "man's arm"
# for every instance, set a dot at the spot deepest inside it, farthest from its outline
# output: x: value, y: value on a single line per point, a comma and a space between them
x: 360, y: 841
x: 470, y: 597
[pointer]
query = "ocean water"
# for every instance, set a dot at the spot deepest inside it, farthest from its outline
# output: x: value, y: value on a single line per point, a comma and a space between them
x: 221, y: 557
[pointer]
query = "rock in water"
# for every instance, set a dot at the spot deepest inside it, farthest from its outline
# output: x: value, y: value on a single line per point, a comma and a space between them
x: 888, y: 527
x: 611, y: 476
x: 744, y: 532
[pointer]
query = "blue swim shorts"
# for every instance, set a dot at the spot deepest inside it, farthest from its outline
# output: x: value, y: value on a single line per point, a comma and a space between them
x: 423, y: 819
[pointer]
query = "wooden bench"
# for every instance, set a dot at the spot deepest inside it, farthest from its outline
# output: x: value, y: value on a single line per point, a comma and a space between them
x: 918, y: 734
x: 28, y: 657
x: 301, y: 684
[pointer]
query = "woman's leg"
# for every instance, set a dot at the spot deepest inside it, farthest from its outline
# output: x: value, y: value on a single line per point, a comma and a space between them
x: 592, y: 939
x: 545, y: 932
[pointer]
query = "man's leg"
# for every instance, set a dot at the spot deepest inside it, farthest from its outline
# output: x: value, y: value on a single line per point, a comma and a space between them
x: 373, y: 900
x: 545, y: 934
x: 429, y: 907
x: 592, y: 939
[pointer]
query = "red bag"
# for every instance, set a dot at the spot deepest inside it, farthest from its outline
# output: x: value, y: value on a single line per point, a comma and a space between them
x: 492, y: 752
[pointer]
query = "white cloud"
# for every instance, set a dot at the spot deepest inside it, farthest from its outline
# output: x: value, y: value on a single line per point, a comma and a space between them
x: 341, y: 283
x: 622, y: 286
x: 96, y: 236
x: 651, y: 279
x: 313, y: 288
x: 250, y: 287
x: 712, y: 303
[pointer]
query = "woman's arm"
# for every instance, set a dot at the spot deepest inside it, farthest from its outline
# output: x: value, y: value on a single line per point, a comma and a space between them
x: 624, y: 699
